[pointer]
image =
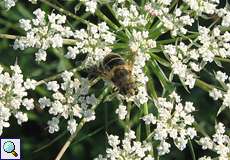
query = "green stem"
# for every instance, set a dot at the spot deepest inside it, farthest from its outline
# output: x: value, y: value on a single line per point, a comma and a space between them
x: 8, y: 36
x: 147, y: 127
x: 150, y: 84
x: 203, y: 85
x: 127, y: 120
x: 191, y: 149
x: 106, y: 19
x: 146, y: 112
x: 172, y: 40
x: 138, y: 132
x: 222, y: 59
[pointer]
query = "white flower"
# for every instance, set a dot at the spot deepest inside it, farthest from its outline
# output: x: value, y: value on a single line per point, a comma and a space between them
x: 43, y: 34
x: 163, y: 148
x: 128, y: 148
x: 13, y: 96
x: 95, y: 41
x: 215, y: 94
x: 70, y: 100
x: 72, y: 126
x: 9, y: 3
x: 44, y: 102
x: 33, y: 1
x: 4, y: 117
x: 181, y: 142
x: 220, y: 76
x: 121, y: 111
x: 174, y: 120
x: 28, y: 103
x: 149, y: 119
x: 56, y: 108
x: 72, y: 52
x: 53, y: 86
x: 91, y: 5
x: 21, y: 117
x: 91, y: 100
x: 190, y: 80
x: 226, y: 20
x: 205, y: 158
x: 40, y: 55
x: 53, y: 125
x: 30, y: 84
x: 219, y: 143
x: 25, y: 24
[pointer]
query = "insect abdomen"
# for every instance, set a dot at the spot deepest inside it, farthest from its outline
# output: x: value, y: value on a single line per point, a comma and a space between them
x: 112, y: 60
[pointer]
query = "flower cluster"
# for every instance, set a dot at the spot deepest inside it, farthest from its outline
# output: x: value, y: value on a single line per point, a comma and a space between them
x: 216, y: 94
x: 13, y: 95
x: 213, y: 43
x: 91, y: 5
x: 175, y: 22
x: 70, y: 100
x: 182, y: 62
x: 128, y: 148
x: 206, y: 6
x: 42, y: 33
x: 121, y: 111
x: 158, y: 7
x: 220, y: 143
x: 11, y: 3
x: 95, y: 42
x: 129, y: 16
x: 186, y: 60
x: 174, y: 121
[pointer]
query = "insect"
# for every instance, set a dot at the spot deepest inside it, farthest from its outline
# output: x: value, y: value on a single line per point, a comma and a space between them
x: 114, y: 68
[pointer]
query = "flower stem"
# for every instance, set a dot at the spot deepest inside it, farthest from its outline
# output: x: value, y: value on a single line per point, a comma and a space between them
x: 203, y: 85
x: 147, y: 127
x: 191, y: 149
x: 8, y: 36
x: 222, y: 59
x: 127, y: 120
x: 106, y: 19
x: 68, y: 142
